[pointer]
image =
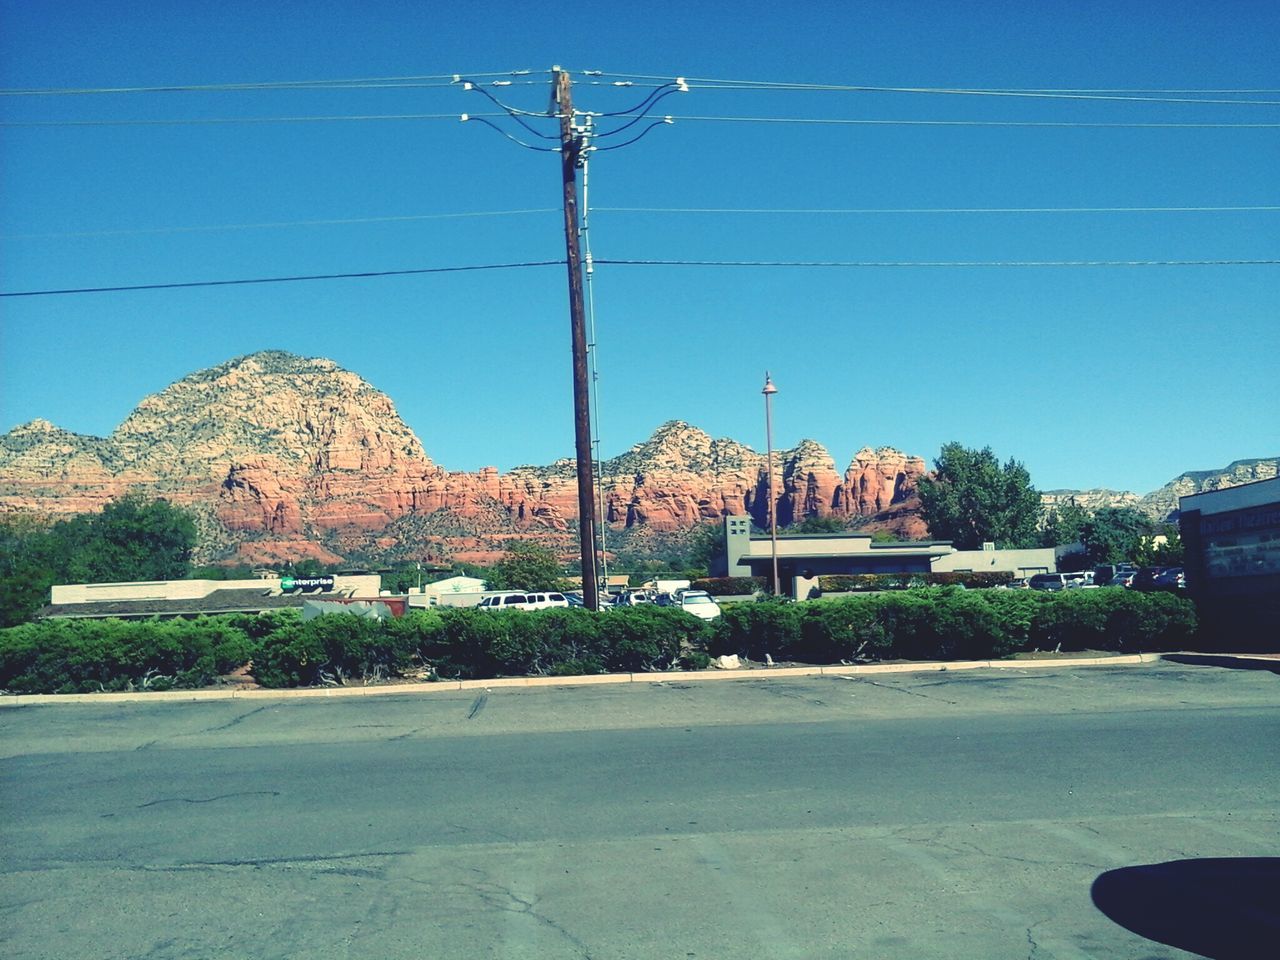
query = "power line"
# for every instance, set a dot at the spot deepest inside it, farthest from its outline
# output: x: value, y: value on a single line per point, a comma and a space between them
x: 819, y: 121
x: 181, y: 121
x: 939, y: 263
x: 810, y: 121
x: 365, y: 274
x: 210, y: 228
x: 766, y: 211
x: 412, y: 81
x: 800, y: 211
x: 709, y: 83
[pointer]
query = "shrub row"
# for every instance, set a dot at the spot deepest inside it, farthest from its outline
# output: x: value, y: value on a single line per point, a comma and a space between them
x: 948, y: 623
x: 84, y: 656
x: 71, y: 656
x: 865, y: 582
x: 731, y: 586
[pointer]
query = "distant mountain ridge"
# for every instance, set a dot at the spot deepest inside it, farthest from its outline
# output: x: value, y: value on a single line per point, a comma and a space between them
x: 283, y: 457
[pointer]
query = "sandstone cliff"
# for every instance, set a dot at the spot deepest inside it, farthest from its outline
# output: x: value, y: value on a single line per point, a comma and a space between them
x: 284, y: 457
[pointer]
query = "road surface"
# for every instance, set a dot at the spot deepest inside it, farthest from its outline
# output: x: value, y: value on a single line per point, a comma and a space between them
x: 928, y: 815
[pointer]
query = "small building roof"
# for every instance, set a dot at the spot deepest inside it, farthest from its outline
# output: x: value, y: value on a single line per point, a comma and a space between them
x: 219, y: 601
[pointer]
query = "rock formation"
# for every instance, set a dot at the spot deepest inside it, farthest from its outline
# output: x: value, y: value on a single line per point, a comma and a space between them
x: 283, y: 457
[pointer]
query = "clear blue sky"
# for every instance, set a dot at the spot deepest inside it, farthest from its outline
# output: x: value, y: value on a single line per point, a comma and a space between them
x: 1117, y: 377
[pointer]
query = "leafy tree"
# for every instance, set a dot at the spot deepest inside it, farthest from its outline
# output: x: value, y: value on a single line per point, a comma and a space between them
x: 1115, y: 534
x: 972, y: 499
x: 1064, y: 525
x: 526, y: 566
x: 818, y: 525
x: 31, y: 559
x: 704, y: 547
x: 1170, y: 553
x: 132, y: 539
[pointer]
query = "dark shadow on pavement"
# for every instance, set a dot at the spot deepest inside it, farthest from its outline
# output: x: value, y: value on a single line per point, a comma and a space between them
x: 1225, y: 909
x: 1216, y: 660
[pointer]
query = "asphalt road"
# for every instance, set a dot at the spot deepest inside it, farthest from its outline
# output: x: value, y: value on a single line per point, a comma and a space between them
x: 962, y: 815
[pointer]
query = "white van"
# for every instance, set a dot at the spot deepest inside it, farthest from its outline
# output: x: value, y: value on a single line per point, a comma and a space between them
x: 521, y: 600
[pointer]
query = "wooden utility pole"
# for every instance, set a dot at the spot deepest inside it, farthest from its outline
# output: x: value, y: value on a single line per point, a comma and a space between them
x: 570, y: 149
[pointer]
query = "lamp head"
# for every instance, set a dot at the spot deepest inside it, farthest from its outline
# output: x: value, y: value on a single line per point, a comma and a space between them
x: 769, y: 388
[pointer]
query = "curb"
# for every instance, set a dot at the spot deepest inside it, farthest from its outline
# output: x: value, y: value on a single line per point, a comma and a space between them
x: 442, y: 686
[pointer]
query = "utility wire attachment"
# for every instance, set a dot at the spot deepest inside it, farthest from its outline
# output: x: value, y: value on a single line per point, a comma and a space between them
x: 640, y: 136
x: 516, y: 140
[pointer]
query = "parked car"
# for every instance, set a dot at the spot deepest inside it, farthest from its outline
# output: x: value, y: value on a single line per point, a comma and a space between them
x: 506, y: 600
x: 1146, y: 578
x: 575, y: 599
x: 522, y: 600
x: 1124, y: 578
x: 1048, y: 581
x: 1077, y: 579
x: 1105, y: 573
x: 1175, y: 578
x: 700, y: 604
x: 1019, y: 584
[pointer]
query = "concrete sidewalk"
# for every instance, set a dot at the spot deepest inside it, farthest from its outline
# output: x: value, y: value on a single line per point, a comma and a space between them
x: 684, y: 676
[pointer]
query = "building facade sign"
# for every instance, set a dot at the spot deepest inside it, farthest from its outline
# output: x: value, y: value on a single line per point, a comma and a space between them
x: 306, y: 584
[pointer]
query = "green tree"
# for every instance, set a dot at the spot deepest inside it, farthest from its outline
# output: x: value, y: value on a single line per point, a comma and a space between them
x: 972, y: 499
x: 1064, y: 525
x: 1115, y: 534
x: 1169, y: 553
x: 704, y: 547
x: 132, y: 539
x: 31, y: 561
x: 818, y: 525
x: 526, y: 566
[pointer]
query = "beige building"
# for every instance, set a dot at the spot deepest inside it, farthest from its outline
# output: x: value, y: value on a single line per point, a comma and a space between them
x: 150, y: 598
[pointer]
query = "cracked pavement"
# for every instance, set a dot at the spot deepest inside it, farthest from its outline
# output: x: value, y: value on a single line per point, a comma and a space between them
x: 805, y: 817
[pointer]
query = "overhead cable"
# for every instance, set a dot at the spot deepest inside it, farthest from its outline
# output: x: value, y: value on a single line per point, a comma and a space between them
x: 515, y: 113
x: 938, y: 263
x: 828, y: 121
x: 639, y: 136
x: 365, y: 274
x: 811, y: 121
x: 413, y: 80
x: 809, y: 211
x: 183, y: 121
x: 209, y: 228
x: 707, y: 83
x: 516, y: 140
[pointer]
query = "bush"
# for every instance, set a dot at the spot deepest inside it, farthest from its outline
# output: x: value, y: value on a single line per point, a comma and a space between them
x: 83, y: 656
x: 941, y: 623
x: 73, y: 656
x: 333, y: 648
x: 731, y: 586
x: 865, y: 582
x: 753, y: 630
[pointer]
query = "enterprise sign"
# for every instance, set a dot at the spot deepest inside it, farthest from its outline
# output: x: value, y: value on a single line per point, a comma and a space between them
x: 306, y: 584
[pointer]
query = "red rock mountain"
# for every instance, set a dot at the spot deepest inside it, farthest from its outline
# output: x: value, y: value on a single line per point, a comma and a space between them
x: 284, y: 457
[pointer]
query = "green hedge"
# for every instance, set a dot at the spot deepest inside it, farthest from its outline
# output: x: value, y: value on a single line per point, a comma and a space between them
x: 85, y: 656
x: 71, y: 656
x: 948, y: 623
x: 866, y: 582
x: 731, y: 586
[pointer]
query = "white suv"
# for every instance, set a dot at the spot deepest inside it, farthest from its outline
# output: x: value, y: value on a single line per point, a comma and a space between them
x: 520, y: 600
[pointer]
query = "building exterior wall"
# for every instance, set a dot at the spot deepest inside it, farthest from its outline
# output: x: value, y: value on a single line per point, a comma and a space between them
x: 1021, y: 563
x: 1232, y: 540
x: 355, y: 585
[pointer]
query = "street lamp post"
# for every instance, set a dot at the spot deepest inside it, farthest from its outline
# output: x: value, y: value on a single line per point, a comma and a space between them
x: 768, y: 391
